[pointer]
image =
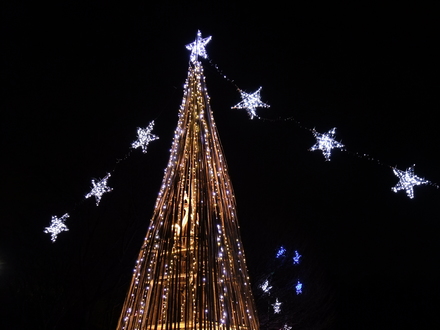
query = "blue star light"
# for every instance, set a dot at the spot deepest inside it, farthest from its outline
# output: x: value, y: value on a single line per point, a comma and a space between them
x: 298, y: 287
x: 296, y: 258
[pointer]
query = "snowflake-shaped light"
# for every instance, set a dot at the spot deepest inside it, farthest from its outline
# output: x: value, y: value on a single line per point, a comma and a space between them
x: 281, y: 252
x: 276, y: 306
x: 407, y: 180
x: 298, y: 287
x: 265, y: 286
x: 144, y: 137
x: 57, y: 225
x: 326, y: 142
x: 251, y: 102
x: 99, y: 189
x: 197, y: 47
x: 296, y: 258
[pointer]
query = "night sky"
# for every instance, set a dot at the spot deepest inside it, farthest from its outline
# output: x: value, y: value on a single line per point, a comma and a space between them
x: 82, y: 77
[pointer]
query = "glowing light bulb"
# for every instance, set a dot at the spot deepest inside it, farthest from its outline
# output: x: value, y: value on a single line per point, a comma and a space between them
x: 326, y: 142
x: 57, y: 225
x: 250, y: 102
x: 407, y: 180
x: 144, y: 137
x: 99, y: 189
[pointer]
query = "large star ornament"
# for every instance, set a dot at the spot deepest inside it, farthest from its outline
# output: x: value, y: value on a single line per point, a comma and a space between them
x: 251, y: 102
x: 407, y: 181
x: 197, y: 47
x: 99, y: 189
x: 57, y: 225
x: 326, y: 142
x: 144, y: 137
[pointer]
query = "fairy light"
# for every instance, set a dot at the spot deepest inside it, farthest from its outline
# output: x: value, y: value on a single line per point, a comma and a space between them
x: 326, y: 142
x: 296, y: 258
x: 407, y: 181
x: 57, y: 226
x: 99, y: 189
x: 250, y: 102
x: 144, y: 137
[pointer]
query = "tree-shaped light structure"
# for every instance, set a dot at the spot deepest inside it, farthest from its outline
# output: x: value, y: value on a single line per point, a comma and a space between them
x: 99, y: 189
x: 191, y: 270
x: 407, y: 181
x: 326, y: 142
x: 144, y: 137
x: 57, y: 225
x: 250, y: 102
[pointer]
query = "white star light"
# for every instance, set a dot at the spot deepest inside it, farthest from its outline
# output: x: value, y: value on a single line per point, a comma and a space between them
x: 144, y: 137
x: 407, y: 180
x: 56, y: 226
x: 286, y: 327
x: 265, y: 286
x: 250, y: 102
x: 197, y: 47
x: 99, y: 189
x: 276, y: 307
x: 326, y: 142
x: 298, y: 287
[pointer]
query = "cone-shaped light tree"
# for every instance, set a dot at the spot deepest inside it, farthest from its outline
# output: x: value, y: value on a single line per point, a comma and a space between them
x: 191, y: 271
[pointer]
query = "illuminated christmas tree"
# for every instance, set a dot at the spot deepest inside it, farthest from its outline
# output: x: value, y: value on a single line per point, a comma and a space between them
x: 191, y: 271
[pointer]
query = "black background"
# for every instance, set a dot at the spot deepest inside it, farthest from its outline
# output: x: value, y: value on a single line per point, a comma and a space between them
x: 81, y: 77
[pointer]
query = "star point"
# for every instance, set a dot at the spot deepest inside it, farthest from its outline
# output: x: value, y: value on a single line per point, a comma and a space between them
x: 407, y: 181
x: 57, y: 226
x: 144, y: 137
x: 250, y: 102
x: 99, y: 189
x: 197, y: 47
x: 326, y: 142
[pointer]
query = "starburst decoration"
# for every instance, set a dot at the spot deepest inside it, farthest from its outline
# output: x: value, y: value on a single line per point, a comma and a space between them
x: 144, y: 137
x: 57, y: 225
x: 296, y: 258
x: 298, y: 287
x: 99, y: 189
x: 197, y: 47
x: 265, y: 286
x: 407, y: 180
x: 276, y: 306
x: 326, y: 142
x: 251, y: 102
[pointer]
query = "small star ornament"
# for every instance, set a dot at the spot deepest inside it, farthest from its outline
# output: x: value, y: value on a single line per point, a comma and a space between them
x: 296, y: 258
x: 144, y: 137
x: 298, y: 287
x: 326, y: 142
x: 57, y: 225
x: 407, y: 181
x: 197, y: 47
x: 99, y: 189
x: 266, y: 287
x: 276, y: 307
x: 250, y: 102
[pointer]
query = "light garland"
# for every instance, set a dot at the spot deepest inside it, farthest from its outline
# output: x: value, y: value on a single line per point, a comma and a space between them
x: 57, y: 226
x: 407, y: 180
x: 197, y: 47
x: 144, y: 137
x: 99, y: 189
x: 326, y: 142
x: 250, y: 102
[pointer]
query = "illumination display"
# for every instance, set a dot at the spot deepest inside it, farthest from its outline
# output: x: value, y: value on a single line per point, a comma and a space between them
x: 144, y: 137
x: 298, y: 287
x: 281, y: 252
x: 296, y: 258
x: 191, y: 270
x: 250, y: 102
x: 326, y: 142
x: 276, y: 306
x: 266, y: 287
x: 99, y: 189
x: 286, y: 327
x: 197, y: 47
x: 57, y: 225
x: 407, y: 181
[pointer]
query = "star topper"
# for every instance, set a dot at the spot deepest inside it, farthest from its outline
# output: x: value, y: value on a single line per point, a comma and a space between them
x: 144, y: 137
x: 99, y: 189
x: 326, y: 142
x: 197, y: 47
x: 250, y: 102
x: 56, y: 226
x: 407, y: 180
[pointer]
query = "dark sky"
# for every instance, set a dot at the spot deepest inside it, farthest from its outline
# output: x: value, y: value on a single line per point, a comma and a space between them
x: 82, y: 77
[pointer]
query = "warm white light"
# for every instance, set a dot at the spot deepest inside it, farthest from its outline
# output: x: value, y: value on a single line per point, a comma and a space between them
x: 99, y: 189
x: 144, y: 137
x: 57, y: 225
x: 407, y: 180
x: 250, y: 102
x: 326, y: 142
x: 197, y: 47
